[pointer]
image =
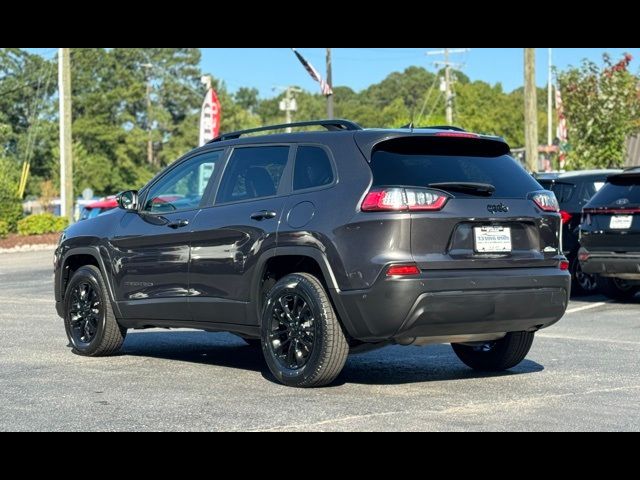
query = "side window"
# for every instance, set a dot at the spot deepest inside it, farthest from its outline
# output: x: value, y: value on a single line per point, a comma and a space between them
x: 253, y: 172
x: 183, y: 188
x: 313, y: 168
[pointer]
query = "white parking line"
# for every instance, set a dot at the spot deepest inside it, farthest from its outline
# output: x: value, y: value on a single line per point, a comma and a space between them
x: 587, y: 307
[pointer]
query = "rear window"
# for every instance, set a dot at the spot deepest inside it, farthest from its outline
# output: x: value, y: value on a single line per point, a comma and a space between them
x: 620, y: 192
x: 418, y: 162
x: 564, y: 191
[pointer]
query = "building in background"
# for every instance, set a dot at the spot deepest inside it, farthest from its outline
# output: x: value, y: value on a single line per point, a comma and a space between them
x: 633, y: 151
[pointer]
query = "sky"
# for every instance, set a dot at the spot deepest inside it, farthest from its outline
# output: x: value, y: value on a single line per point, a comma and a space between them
x: 270, y: 68
x: 266, y: 68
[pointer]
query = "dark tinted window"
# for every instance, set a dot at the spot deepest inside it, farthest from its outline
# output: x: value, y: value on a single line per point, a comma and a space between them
x: 412, y: 165
x: 564, y: 191
x: 313, y: 168
x: 253, y: 173
x: 622, y: 192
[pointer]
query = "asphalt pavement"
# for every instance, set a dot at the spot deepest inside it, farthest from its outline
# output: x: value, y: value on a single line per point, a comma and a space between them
x: 581, y: 375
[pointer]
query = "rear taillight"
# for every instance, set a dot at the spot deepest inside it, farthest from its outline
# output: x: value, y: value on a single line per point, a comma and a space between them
x: 584, y: 255
x: 566, y: 217
x: 403, y: 200
x: 547, y: 201
x: 403, y: 271
x: 564, y: 265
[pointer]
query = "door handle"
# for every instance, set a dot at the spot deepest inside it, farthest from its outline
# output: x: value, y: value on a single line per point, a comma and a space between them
x: 263, y: 215
x: 178, y: 224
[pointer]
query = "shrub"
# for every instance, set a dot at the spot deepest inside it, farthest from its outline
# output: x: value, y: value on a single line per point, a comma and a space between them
x: 10, y: 211
x: 41, y: 224
x: 4, y: 229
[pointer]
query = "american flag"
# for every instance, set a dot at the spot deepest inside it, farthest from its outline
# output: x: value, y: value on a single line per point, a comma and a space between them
x: 324, y: 86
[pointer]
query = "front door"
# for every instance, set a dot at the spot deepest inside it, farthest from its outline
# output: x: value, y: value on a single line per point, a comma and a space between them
x: 150, y: 250
x: 229, y: 238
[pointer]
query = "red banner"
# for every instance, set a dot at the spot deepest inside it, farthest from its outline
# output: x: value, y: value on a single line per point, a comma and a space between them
x: 210, y: 117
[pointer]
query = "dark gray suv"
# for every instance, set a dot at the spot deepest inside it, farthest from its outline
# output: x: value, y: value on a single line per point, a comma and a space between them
x: 316, y: 244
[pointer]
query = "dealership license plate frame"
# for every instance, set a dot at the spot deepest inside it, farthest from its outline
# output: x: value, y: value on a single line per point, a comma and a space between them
x: 621, y: 222
x: 493, y: 240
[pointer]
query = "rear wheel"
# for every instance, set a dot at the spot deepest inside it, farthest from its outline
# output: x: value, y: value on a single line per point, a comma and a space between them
x: 89, y: 320
x: 496, y: 356
x: 618, y: 289
x: 302, y: 339
x: 582, y: 283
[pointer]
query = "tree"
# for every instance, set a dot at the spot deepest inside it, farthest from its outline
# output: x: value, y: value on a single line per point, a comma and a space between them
x: 602, y: 106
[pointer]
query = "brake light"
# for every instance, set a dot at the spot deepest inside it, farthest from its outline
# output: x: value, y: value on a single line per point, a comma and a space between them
x: 546, y: 201
x: 404, y: 199
x: 403, y: 270
x: 584, y: 255
x: 566, y: 217
x: 612, y: 211
x: 564, y: 265
x: 457, y: 135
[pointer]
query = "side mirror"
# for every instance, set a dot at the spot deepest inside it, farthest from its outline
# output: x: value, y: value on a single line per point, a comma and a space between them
x: 128, y: 201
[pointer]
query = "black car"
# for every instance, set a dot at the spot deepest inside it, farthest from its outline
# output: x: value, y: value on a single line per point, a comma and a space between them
x: 573, y: 191
x: 317, y: 244
x: 610, y: 236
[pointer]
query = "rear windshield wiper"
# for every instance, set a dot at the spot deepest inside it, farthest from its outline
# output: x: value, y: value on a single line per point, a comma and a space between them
x: 483, y: 189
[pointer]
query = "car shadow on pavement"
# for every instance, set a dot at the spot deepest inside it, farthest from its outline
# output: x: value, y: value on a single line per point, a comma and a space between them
x: 388, y: 366
x: 405, y: 365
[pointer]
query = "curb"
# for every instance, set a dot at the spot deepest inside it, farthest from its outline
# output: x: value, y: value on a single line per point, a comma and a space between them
x: 28, y: 248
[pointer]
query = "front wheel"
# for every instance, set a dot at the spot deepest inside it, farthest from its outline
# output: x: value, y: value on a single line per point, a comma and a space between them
x: 302, y: 339
x: 89, y: 321
x: 497, y: 356
x: 618, y: 289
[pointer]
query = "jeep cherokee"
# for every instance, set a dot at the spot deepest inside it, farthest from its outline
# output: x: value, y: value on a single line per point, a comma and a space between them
x: 316, y: 244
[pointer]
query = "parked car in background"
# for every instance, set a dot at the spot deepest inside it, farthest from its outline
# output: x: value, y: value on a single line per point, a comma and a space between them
x: 95, y: 209
x: 610, y: 236
x: 573, y: 191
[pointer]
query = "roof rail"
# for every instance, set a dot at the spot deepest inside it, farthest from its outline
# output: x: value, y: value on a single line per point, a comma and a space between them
x: 330, y: 125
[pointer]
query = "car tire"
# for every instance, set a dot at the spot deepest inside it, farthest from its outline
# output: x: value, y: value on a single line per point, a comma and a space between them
x: 497, y: 356
x: 89, y: 320
x: 302, y: 339
x: 617, y: 289
x: 582, y: 284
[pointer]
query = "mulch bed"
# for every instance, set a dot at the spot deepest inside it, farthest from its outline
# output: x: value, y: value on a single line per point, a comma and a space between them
x: 18, y: 241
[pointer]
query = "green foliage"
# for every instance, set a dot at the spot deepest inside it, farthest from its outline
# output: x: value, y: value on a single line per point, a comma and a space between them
x: 602, y: 106
x: 112, y: 122
x: 4, y: 229
x: 10, y: 205
x: 41, y: 224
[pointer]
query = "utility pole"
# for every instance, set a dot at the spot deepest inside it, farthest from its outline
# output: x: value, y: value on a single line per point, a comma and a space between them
x: 530, y: 109
x: 288, y: 105
x: 330, y: 83
x: 66, y: 158
x: 448, y: 78
x: 550, y: 101
x: 150, y: 157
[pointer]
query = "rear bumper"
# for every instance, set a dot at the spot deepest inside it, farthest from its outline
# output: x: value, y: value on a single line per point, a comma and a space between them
x: 612, y: 264
x: 445, y: 303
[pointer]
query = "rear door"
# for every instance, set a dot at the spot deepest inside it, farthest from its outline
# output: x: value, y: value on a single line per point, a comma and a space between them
x: 230, y: 236
x: 612, y: 218
x: 504, y: 228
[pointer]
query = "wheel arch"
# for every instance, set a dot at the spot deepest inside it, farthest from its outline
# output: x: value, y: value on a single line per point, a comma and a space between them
x: 77, y: 258
x: 297, y: 260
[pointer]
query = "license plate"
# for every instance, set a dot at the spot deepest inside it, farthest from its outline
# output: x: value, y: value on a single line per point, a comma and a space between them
x: 621, y: 222
x: 493, y: 240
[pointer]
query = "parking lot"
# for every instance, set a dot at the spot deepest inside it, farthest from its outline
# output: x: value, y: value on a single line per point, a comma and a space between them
x: 581, y: 375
